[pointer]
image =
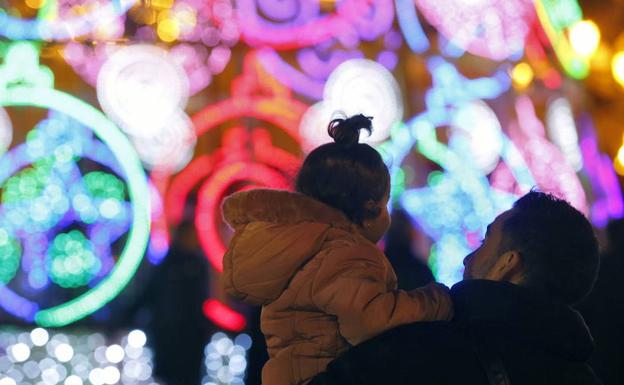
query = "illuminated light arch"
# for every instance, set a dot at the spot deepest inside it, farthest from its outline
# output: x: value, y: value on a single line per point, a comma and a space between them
x: 246, y: 159
x: 203, y: 49
x: 315, y: 62
x: 37, y: 95
x: 495, y: 29
x: 300, y: 23
x: 54, y: 27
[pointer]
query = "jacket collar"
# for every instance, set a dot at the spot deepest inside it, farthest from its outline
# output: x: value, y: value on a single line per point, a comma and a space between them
x: 552, y: 324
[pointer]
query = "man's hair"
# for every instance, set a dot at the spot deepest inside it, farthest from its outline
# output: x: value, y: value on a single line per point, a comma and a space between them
x: 557, y: 245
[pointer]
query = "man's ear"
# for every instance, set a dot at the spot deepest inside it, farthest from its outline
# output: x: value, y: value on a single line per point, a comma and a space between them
x: 507, y: 268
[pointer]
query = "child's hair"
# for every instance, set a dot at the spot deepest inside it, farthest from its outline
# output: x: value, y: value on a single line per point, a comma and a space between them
x: 346, y: 174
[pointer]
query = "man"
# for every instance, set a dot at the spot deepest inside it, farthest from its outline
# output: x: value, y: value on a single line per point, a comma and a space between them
x: 513, y: 321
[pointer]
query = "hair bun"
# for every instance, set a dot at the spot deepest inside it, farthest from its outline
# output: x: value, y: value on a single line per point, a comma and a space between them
x: 346, y: 132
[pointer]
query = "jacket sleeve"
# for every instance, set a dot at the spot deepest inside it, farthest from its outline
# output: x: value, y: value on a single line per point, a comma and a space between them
x: 352, y: 284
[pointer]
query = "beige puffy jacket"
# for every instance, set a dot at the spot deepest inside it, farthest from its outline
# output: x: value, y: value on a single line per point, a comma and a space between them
x: 322, y: 285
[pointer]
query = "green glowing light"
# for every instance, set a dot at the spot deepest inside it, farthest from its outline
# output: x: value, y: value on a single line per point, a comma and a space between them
x: 104, y: 185
x: 556, y: 16
x: 21, y: 68
x: 39, y: 95
x: 71, y: 260
x: 10, y: 251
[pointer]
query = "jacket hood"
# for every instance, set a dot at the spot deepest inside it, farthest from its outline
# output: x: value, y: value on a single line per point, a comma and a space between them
x: 276, y: 233
x: 551, y: 324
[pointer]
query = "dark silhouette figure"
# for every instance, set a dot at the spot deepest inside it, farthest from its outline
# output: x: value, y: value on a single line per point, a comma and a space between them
x: 603, y: 310
x: 178, y: 330
x: 410, y: 270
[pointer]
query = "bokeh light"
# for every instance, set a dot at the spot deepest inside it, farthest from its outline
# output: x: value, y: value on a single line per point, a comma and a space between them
x: 585, y: 37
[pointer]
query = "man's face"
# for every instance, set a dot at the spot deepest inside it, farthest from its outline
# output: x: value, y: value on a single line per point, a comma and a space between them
x: 479, y: 263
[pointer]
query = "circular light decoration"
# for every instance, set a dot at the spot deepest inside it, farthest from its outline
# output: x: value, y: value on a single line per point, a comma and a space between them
x: 458, y: 203
x: 143, y: 90
x: 66, y: 23
x: 246, y: 159
x: 356, y: 86
x: 494, y: 29
x: 56, y: 166
x: 199, y: 34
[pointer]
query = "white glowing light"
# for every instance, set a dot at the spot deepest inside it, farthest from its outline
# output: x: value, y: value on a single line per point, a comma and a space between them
x: 172, y: 147
x: 19, y: 352
x: 140, y: 87
x: 73, y: 380
x: 6, y: 131
x: 137, y: 338
x: 50, y: 376
x: 115, y: 354
x: 585, y: 37
x: 362, y: 86
x: 96, y: 376
x: 7, y: 381
x: 111, y: 375
x: 64, y: 352
x: 313, y: 126
x: 562, y: 130
x: 39, y: 337
x: 477, y: 125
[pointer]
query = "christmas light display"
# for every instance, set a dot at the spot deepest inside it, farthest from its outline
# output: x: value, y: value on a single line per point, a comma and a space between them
x: 42, y: 356
x: 246, y: 158
x: 44, y: 179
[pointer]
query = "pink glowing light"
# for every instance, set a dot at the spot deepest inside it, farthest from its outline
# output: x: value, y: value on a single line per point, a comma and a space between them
x: 549, y: 167
x: 495, y: 29
x: 223, y: 316
x: 300, y: 23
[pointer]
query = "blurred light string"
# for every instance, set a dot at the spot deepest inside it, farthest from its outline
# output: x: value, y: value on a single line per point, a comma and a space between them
x: 18, y: 88
x: 608, y: 199
x: 410, y: 26
x: 50, y: 26
x: 555, y: 17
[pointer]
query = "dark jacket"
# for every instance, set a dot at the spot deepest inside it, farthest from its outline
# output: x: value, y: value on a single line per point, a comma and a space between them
x: 540, y: 342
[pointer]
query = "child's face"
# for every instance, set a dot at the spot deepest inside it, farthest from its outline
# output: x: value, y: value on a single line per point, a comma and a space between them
x: 374, y: 229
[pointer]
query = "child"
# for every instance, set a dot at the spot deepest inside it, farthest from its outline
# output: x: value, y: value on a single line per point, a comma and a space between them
x: 310, y: 259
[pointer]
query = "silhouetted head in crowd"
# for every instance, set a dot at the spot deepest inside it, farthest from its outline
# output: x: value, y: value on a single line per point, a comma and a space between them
x: 349, y: 176
x: 543, y: 243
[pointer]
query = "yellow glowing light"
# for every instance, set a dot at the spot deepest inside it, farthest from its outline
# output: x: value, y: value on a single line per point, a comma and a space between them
x: 522, y: 74
x: 162, y: 4
x: 168, y: 30
x: 35, y: 4
x: 617, y: 67
x: 618, y: 162
x: 585, y: 37
x: 601, y: 60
